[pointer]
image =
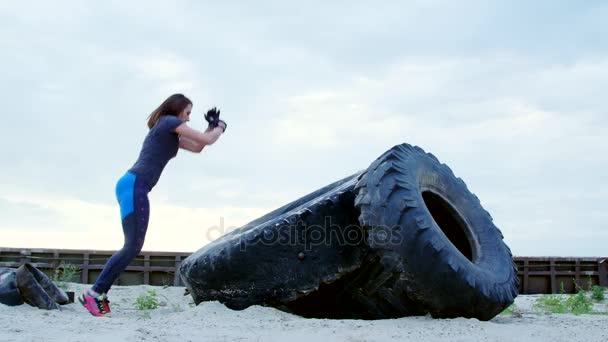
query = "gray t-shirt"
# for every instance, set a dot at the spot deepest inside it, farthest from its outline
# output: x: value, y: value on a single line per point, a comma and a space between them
x: 160, y: 145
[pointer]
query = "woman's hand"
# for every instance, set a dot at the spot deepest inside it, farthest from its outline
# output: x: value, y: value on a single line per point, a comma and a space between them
x: 223, y: 125
x: 212, y: 116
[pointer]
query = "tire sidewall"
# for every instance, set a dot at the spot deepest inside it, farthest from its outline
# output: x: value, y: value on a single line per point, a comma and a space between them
x: 438, y: 274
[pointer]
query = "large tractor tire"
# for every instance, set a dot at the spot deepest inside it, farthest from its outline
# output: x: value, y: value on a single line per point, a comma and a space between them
x: 435, y: 243
x: 283, y: 255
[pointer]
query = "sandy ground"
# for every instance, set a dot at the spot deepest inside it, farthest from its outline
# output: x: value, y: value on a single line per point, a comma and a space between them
x: 178, y: 319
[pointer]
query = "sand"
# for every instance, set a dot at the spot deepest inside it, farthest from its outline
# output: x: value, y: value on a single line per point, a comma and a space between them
x: 178, y: 319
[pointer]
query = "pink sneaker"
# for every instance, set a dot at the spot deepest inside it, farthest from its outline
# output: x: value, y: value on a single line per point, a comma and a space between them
x: 98, y: 306
x: 106, y: 302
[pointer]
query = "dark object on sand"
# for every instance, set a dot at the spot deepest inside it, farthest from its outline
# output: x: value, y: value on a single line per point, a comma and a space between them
x: 9, y: 293
x: 438, y: 245
x: 283, y: 255
x: 405, y: 237
x: 27, y: 284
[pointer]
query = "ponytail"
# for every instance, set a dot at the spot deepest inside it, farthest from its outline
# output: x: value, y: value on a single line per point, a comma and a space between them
x: 153, y: 118
x: 173, y: 105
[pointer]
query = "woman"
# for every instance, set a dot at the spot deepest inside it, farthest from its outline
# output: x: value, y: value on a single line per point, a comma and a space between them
x: 168, y: 132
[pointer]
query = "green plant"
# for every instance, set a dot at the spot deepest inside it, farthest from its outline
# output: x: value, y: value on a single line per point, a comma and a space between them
x: 510, y: 311
x: 597, y: 293
x: 147, y: 301
x: 65, y: 273
x: 551, y: 304
x: 559, y: 304
x: 579, y: 303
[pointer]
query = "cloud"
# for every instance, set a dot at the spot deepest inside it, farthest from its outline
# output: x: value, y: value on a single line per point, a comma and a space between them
x: 517, y: 111
x: 520, y: 155
x: 73, y: 223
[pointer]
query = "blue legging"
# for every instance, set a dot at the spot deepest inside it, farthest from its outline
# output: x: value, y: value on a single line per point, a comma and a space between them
x: 132, y: 195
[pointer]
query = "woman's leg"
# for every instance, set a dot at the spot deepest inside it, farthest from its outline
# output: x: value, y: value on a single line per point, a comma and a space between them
x: 132, y: 195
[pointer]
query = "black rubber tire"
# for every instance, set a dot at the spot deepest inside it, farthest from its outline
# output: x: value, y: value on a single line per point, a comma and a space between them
x: 369, y: 292
x: 249, y: 266
x: 37, y: 289
x: 439, y: 246
x: 9, y: 292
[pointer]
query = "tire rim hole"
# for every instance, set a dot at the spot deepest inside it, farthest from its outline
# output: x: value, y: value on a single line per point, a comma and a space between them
x: 450, y: 223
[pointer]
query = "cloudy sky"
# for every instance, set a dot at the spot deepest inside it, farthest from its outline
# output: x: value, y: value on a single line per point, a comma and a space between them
x: 510, y: 94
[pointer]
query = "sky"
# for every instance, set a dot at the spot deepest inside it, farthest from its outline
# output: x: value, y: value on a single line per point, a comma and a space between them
x: 509, y: 94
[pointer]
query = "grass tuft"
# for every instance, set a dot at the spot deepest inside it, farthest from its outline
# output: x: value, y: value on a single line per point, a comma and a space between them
x: 512, y: 310
x: 597, y: 293
x: 65, y: 273
x: 147, y: 301
x: 576, y: 304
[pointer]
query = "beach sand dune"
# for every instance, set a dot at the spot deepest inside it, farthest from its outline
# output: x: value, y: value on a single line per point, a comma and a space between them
x: 178, y: 319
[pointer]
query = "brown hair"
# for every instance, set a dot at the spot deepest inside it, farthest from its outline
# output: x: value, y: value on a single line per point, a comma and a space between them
x: 173, y: 105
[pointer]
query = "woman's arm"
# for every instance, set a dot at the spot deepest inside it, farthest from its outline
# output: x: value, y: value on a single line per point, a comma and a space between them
x: 190, y: 145
x: 195, y: 141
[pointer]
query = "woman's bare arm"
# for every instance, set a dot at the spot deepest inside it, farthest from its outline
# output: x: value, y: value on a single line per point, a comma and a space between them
x: 195, y: 141
x: 190, y: 145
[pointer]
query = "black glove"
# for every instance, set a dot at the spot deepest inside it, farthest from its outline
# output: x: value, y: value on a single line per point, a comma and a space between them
x: 225, y: 124
x: 213, y: 117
